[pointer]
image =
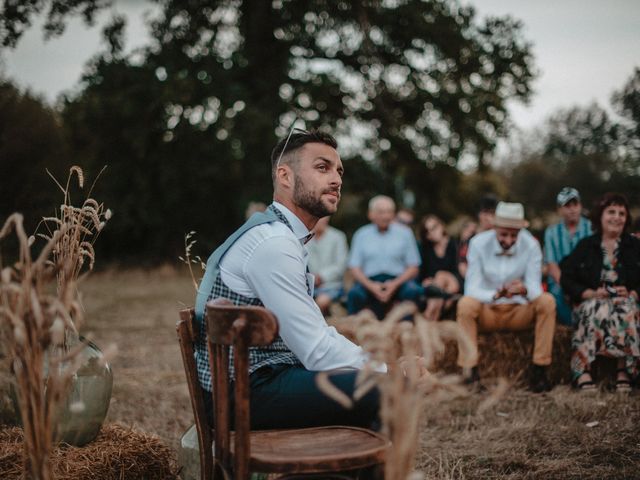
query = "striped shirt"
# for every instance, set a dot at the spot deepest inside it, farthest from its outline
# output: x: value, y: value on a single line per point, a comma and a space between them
x: 558, y: 242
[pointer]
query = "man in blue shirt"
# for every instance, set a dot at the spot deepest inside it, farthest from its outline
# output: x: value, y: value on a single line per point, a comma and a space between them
x: 384, y: 261
x: 559, y: 241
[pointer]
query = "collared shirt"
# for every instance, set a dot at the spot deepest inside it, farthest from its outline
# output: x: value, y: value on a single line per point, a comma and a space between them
x: 391, y: 252
x: 269, y: 262
x: 489, y: 268
x: 328, y: 257
x: 558, y: 241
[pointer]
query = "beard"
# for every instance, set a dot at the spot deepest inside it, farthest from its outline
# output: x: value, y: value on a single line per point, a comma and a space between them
x: 305, y: 199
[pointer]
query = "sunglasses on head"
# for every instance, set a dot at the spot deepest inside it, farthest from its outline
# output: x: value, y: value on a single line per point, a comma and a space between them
x: 293, y: 129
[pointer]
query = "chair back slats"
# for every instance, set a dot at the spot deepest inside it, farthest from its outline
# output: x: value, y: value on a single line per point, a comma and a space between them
x: 240, y: 327
x: 219, y: 364
x: 242, y: 422
x: 187, y: 336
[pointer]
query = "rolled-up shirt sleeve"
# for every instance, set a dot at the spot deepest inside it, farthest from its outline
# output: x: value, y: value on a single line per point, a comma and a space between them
x: 276, y: 271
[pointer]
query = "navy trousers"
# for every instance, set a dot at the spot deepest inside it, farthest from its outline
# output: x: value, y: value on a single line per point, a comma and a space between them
x: 286, y: 396
x: 359, y: 297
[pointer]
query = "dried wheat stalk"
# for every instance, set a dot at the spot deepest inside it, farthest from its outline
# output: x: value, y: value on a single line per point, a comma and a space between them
x: 79, y: 227
x: 406, y: 389
x: 33, y: 323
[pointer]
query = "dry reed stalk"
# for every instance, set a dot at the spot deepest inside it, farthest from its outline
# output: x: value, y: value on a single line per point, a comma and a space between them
x: 407, y: 348
x: 33, y: 323
x: 79, y: 227
x: 191, y: 260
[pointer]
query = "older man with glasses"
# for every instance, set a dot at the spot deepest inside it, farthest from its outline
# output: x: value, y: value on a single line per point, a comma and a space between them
x: 265, y: 263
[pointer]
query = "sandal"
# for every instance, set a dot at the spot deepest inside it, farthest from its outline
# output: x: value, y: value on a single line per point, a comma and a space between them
x: 623, y: 385
x: 585, y: 385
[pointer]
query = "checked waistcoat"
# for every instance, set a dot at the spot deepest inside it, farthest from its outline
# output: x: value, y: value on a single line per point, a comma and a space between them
x: 213, y: 287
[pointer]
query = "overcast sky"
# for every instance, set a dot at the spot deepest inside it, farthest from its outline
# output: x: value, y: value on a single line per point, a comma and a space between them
x: 584, y: 50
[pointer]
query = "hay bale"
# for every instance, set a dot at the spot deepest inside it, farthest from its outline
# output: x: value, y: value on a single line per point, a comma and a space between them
x: 508, y: 354
x: 118, y: 453
x: 502, y: 354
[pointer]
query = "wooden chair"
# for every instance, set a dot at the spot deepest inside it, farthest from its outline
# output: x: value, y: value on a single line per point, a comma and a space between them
x: 320, y: 451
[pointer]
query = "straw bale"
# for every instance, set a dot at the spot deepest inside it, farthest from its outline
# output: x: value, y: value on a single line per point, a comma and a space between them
x: 502, y: 354
x: 508, y: 354
x: 118, y: 453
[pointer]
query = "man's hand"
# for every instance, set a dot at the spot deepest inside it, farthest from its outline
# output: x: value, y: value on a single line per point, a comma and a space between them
x: 514, y: 287
x: 377, y: 289
x: 427, y: 281
x: 389, y: 288
x: 318, y: 280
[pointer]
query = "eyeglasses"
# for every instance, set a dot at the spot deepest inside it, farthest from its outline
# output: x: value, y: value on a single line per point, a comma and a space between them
x: 293, y: 129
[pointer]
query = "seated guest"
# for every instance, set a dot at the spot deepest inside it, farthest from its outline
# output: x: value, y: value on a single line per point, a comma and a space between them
x: 405, y: 216
x: 439, y: 266
x: 559, y: 241
x: 486, y: 213
x: 265, y: 263
x: 328, y: 252
x: 602, y: 277
x: 503, y: 291
x: 384, y: 261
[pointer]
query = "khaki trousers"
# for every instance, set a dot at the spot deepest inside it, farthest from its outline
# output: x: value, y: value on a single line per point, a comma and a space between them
x: 474, y: 315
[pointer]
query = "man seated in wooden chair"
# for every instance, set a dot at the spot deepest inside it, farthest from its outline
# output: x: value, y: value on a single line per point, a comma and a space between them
x: 265, y: 263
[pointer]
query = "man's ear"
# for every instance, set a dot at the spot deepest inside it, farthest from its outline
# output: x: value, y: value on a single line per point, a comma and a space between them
x: 284, y: 176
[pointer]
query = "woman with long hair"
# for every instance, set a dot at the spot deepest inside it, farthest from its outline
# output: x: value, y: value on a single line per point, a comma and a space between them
x: 439, y: 263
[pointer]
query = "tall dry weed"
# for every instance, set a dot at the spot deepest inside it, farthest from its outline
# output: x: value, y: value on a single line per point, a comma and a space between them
x: 408, y: 348
x: 75, y: 229
x: 35, y: 319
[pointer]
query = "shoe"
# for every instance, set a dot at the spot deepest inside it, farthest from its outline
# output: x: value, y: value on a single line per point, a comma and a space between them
x: 623, y: 385
x: 586, y: 386
x: 539, y: 382
x: 431, y: 291
x: 473, y: 381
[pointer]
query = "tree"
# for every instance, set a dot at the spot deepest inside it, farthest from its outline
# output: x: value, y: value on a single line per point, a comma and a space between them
x: 408, y: 87
x: 627, y: 102
x: 16, y: 16
x: 31, y: 140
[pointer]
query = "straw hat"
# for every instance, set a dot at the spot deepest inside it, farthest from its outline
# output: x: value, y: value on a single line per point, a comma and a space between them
x: 510, y: 215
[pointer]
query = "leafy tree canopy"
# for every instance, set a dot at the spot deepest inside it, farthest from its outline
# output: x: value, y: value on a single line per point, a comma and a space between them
x: 407, y: 86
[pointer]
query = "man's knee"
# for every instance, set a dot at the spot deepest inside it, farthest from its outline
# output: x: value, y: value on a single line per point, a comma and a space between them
x: 468, y: 307
x: 410, y: 290
x: 545, y: 304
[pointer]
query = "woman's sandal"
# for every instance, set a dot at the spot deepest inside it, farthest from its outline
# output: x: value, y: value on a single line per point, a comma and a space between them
x: 623, y: 385
x: 586, y: 386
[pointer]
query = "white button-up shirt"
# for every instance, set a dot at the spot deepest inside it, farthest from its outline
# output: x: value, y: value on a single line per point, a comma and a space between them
x: 269, y: 262
x: 489, y: 270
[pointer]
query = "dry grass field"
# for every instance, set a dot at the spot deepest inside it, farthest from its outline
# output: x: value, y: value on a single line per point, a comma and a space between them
x: 561, y: 435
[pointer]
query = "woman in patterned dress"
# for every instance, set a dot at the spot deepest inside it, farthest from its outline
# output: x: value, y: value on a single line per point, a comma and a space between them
x: 602, y: 277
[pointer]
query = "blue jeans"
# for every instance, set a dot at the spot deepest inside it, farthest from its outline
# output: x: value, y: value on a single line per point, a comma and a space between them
x: 564, y: 312
x: 359, y: 297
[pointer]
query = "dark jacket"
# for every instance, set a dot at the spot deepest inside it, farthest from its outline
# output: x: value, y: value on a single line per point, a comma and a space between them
x: 582, y: 268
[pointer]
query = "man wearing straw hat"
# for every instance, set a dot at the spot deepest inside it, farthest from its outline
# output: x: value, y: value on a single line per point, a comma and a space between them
x: 503, y: 291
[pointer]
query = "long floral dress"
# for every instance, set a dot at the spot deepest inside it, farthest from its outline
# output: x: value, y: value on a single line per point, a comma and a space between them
x: 606, y: 326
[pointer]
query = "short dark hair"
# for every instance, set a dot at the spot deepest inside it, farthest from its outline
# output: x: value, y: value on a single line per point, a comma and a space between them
x: 608, y: 199
x: 297, y: 140
x: 488, y: 202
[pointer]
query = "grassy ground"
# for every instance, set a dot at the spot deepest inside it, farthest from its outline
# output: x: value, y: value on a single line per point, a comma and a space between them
x: 524, y: 436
